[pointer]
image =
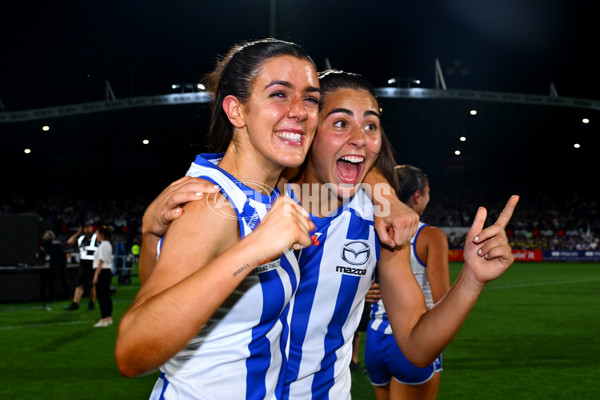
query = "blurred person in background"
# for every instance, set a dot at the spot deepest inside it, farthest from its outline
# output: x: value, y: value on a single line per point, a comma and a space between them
x: 103, y: 272
x: 86, y: 240
x: 51, y: 251
x: 392, y: 375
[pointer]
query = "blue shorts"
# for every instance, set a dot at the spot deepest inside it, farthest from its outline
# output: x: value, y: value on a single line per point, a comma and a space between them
x: 384, y: 360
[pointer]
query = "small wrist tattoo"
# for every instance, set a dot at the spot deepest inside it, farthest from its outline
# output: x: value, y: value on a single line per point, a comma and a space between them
x: 239, y: 270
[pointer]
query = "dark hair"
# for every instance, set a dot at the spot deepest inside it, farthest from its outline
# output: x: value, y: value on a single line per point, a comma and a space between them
x: 234, y: 75
x: 105, y: 231
x: 410, y: 179
x: 333, y: 80
x: 387, y: 161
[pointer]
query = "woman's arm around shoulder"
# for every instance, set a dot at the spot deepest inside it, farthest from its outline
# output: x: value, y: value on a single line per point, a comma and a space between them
x: 395, y: 222
x: 162, y: 211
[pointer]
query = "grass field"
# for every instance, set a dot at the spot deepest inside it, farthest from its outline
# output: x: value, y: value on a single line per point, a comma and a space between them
x: 534, y: 334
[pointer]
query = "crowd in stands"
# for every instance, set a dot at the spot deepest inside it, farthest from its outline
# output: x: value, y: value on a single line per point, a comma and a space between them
x: 541, y: 221
x: 64, y: 210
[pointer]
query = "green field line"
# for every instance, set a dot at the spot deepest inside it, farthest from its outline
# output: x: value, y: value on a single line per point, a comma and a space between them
x: 4, y: 328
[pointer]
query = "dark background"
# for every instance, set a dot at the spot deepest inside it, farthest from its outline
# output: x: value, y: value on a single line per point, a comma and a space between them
x: 63, y: 52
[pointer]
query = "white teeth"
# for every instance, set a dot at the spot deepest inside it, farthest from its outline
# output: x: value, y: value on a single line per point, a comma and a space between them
x: 294, y: 137
x: 353, y: 159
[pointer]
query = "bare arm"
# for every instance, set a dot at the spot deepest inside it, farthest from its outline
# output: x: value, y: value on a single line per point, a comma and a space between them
x: 432, y: 247
x: 97, y: 272
x: 395, y: 222
x: 73, y: 237
x: 197, y: 270
x: 422, y: 335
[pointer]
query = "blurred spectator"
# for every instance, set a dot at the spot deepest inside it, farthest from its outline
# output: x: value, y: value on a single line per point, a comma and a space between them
x: 86, y: 240
x: 103, y: 272
x: 52, y: 254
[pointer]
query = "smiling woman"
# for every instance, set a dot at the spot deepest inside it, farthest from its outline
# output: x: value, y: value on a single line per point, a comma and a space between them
x: 207, y: 316
x: 336, y: 272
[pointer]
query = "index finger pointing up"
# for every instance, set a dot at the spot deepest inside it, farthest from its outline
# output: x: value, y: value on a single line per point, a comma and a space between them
x: 509, y: 208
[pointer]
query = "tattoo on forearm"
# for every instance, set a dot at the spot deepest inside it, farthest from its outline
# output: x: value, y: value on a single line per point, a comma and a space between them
x: 239, y: 270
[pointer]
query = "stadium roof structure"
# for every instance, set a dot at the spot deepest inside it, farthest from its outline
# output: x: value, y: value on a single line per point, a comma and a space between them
x: 513, y: 138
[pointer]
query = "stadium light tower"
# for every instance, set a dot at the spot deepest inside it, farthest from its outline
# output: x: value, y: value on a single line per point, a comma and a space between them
x: 439, y: 76
x: 553, y: 92
x: 110, y: 95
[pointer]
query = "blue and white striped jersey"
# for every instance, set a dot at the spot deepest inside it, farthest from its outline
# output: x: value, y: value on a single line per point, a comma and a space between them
x: 420, y: 269
x: 379, y: 320
x: 241, y: 351
x: 335, y: 275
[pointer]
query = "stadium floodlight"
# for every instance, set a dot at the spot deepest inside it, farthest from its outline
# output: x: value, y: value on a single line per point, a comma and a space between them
x: 404, y: 82
x: 183, y: 87
x: 45, y: 128
x: 585, y: 120
x: 27, y: 151
x: 145, y: 141
x: 463, y: 138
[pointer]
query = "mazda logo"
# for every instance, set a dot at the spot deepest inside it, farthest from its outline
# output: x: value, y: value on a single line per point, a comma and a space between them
x: 356, y: 252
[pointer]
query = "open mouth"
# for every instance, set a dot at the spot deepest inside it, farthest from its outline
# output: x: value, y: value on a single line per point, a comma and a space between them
x: 349, y: 168
x: 290, y: 137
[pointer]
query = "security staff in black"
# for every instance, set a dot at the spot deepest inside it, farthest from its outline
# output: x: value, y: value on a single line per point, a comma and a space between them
x: 86, y: 242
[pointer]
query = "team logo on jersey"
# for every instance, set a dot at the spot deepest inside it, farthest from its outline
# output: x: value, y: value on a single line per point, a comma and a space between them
x: 356, y: 252
x: 315, y: 238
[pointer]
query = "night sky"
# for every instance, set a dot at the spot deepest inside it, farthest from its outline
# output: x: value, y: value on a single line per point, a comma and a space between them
x: 61, y: 52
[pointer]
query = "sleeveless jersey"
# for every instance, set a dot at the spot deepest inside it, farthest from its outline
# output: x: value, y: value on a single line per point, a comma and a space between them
x: 240, y: 352
x: 420, y: 269
x: 379, y: 320
x: 335, y: 275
